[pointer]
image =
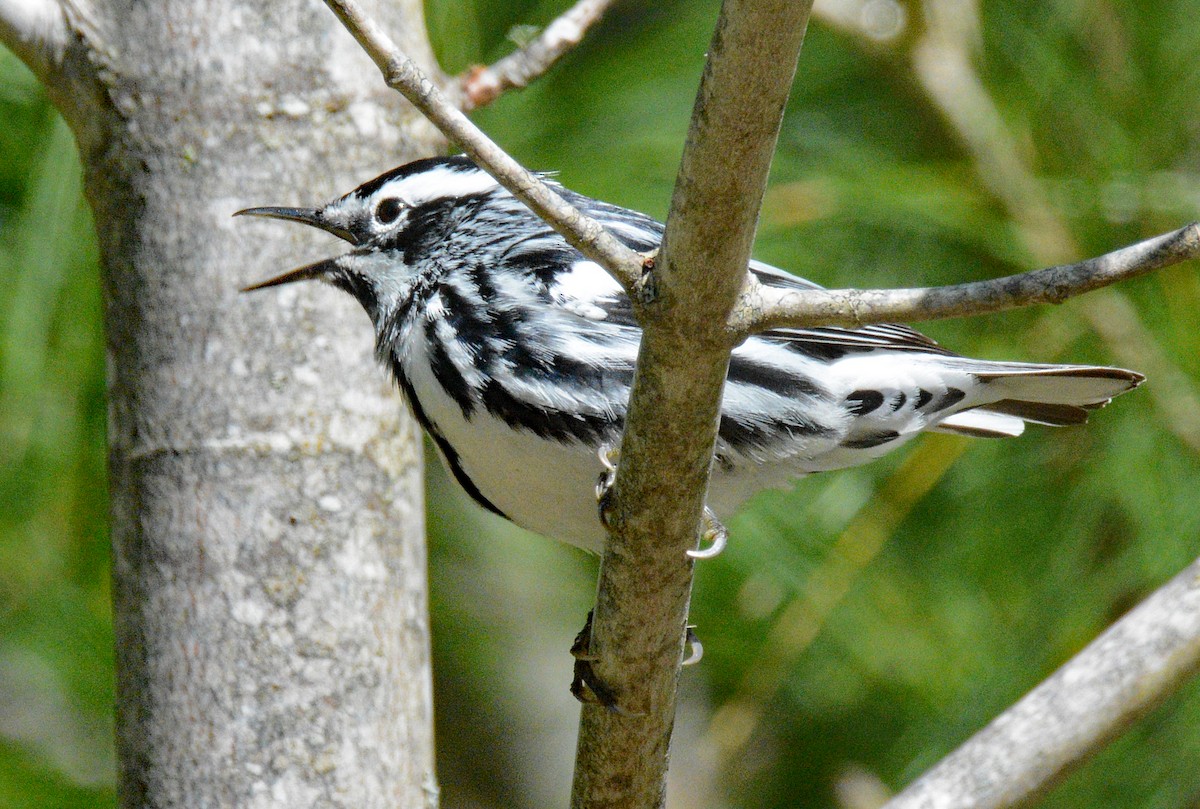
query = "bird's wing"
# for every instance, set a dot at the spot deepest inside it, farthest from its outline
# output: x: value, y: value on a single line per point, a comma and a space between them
x: 583, y: 287
x: 834, y: 342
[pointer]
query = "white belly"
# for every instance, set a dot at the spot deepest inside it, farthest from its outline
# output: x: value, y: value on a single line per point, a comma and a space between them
x: 546, y: 486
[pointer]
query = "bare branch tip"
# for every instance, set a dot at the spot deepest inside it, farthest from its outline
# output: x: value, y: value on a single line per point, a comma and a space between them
x: 479, y: 87
x: 1191, y: 235
x: 483, y: 84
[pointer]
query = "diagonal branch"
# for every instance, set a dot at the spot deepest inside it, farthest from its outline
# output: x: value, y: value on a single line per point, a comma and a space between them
x: 402, y: 74
x: 763, y: 307
x: 1123, y: 674
x: 36, y: 31
x: 484, y: 84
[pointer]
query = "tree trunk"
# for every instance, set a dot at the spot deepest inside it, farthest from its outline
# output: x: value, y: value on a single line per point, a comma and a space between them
x: 269, y: 566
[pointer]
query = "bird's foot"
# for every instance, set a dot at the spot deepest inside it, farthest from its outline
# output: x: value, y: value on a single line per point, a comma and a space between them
x: 608, y: 458
x: 585, y: 685
x: 588, y: 688
x: 713, y: 534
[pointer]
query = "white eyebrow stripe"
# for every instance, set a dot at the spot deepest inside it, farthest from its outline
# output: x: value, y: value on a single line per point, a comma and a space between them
x: 438, y: 183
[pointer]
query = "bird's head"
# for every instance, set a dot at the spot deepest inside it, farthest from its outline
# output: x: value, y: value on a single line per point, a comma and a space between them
x: 390, y: 221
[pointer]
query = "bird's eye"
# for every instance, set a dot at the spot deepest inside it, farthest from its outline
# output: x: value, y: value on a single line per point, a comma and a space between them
x: 388, y: 211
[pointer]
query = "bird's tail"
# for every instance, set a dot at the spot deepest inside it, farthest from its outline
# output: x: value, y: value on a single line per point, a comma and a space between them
x: 1056, y: 395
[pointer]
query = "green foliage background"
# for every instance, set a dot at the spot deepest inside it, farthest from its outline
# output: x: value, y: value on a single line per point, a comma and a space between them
x: 859, y: 626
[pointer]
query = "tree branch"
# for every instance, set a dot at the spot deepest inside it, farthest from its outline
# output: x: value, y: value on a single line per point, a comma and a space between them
x: 764, y: 307
x: 482, y: 84
x: 1119, y: 677
x: 657, y: 501
x: 401, y: 74
x: 36, y: 31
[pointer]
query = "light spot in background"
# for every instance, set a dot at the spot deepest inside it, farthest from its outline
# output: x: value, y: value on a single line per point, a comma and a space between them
x: 880, y: 20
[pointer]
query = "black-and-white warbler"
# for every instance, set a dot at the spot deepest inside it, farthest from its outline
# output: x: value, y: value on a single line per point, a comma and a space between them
x: 516, y: 355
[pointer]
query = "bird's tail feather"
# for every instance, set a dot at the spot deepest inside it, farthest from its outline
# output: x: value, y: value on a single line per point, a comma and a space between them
x: 1055, y: 395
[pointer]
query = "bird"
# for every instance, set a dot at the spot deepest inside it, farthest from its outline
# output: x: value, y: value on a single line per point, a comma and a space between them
x: 516, y: 354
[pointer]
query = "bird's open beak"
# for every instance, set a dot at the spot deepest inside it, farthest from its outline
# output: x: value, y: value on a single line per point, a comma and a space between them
x: 305, y: 216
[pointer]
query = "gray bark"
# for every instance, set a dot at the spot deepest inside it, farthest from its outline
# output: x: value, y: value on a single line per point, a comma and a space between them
x: 269, y: 567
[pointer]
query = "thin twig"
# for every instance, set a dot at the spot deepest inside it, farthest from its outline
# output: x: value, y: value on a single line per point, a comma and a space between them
x: 1123, y: 674
x: 483, y: 84
x: 401, y: 74
x: 765, y: 307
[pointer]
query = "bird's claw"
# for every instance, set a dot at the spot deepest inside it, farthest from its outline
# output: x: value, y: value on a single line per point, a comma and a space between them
x: 585, y: 685
x: 714, y: 534
x: 604, y: 485
x: 583, y: 638
x: 608, y: 455
x: 693, y: 642
x: 588, y: 688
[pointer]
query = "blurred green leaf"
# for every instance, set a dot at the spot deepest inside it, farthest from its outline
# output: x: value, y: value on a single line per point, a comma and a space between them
x: 56, y: 681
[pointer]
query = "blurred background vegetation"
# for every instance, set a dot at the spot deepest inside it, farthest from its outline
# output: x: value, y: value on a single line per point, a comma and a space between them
x: 859, y: 626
